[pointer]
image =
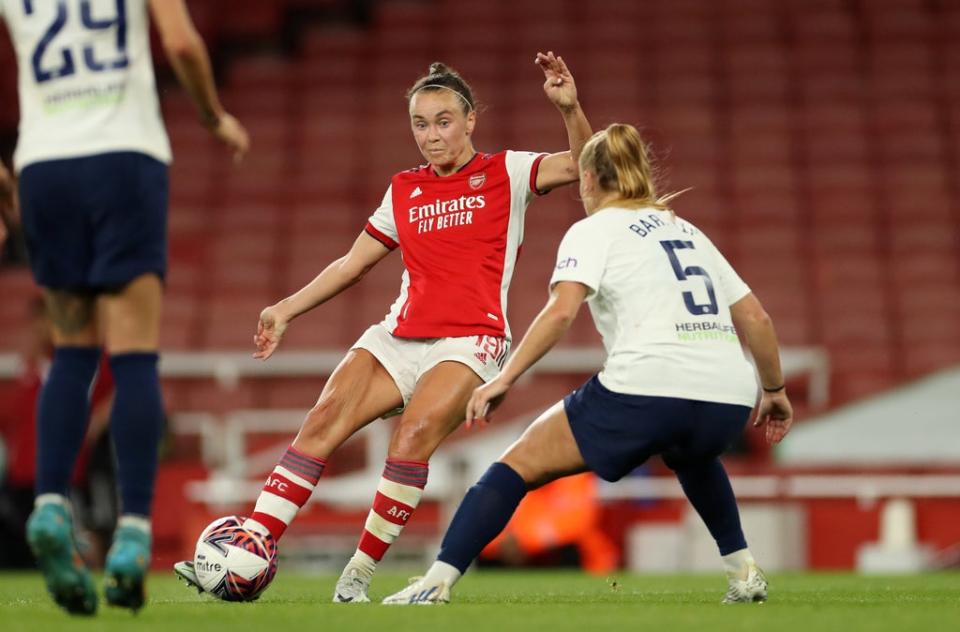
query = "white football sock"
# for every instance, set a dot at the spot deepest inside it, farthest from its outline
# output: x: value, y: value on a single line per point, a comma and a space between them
x: 58, y: 499
x: 738, y: 563
x: 441, y: 571
x: 136, y: 521
x: 363, y: 562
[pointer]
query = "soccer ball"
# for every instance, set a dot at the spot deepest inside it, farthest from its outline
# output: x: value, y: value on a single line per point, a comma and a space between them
x: 232, y: 562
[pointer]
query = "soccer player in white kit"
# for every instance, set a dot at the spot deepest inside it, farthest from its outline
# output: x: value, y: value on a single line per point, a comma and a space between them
x: 675, y: 382
x: 458, y: 222
x: 92, y: 161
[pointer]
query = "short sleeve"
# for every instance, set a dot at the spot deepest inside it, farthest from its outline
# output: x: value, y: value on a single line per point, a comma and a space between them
x: 382, y: 226
x: 733, y: 286
x: 522, y: 168
x: 581, y: 257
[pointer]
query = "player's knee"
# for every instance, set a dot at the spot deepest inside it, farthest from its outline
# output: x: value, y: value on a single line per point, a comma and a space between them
x: 320, y: 420
x: 414, y: 440
x: 71, y: 313
x: 527, y: 467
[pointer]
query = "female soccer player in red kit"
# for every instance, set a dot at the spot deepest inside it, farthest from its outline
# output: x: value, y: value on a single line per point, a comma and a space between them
x: 458, y: 222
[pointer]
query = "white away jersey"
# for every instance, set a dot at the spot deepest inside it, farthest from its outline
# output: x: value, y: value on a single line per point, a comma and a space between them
x: 85, y: 79
x: 659, y: 293
x: 459, y: 236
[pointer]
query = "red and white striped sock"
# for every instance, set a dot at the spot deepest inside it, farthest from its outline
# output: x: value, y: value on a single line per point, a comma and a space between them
x: 287, y: 489
x: 398, y: 494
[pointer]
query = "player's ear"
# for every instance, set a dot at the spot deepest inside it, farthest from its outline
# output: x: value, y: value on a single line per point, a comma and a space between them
x: 471, y: 122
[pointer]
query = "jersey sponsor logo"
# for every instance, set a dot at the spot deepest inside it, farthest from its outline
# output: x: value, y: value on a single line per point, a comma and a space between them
x: 708, y: 331
x: 476, y: 180
x: 443, y: 214
x: 416, y: 193
x: 569, y: 262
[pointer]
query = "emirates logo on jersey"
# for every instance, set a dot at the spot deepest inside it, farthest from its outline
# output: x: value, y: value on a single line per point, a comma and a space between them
x: 476, y: 180
x: 443, y: 214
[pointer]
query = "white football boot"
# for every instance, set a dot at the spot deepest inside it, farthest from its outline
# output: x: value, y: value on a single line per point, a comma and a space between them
x: 421, y: 591
x: 352, y: 586
x: 750, y: 590
x: 184, y: 571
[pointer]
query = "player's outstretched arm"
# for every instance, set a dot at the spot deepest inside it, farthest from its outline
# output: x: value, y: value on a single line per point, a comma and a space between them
x: 365, y: 253
x: 559, y: 169
x: 188, y: 56
x: 775, y: 411
x: 547, y: 328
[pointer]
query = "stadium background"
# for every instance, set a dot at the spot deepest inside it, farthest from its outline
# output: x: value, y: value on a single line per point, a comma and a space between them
x: 822, y: 142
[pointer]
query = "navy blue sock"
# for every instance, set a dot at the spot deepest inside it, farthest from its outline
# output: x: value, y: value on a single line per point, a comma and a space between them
x: 63, y: 410
x: 708, y: 489
x: 484, y: 512
x: 136, y: 424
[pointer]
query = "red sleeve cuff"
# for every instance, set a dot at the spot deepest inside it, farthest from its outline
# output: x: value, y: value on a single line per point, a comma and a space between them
x: 534, y: 170
x: 383, y: 239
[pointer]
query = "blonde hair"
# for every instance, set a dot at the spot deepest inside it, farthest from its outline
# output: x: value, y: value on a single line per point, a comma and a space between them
x: 622, y: 163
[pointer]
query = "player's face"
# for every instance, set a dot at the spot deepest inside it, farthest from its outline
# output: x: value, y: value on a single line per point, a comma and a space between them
x: 441, y: 129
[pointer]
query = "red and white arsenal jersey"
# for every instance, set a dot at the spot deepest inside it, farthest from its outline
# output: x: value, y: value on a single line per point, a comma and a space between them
x: 459, y: 236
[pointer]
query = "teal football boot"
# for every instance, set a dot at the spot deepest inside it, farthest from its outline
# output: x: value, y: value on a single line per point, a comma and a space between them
x: 50, y: 535
x: 126, y: 569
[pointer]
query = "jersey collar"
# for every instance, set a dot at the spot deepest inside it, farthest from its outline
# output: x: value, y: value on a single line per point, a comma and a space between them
x: 460, y: 169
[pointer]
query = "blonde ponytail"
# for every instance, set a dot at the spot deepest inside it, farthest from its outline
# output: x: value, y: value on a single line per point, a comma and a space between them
x: 622, y: 163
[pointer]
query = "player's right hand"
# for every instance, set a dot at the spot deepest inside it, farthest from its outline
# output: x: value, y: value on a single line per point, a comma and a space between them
x: 558, y: 82
x: 776, y: 413
x: 269, y: 333
x: 232, y: 133
x: 485, y: 400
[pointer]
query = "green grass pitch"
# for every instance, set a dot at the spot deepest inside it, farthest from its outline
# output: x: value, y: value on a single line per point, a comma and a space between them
x: 528, y: 601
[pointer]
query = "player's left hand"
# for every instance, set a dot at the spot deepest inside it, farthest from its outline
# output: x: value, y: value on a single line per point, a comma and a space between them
x: 776, y: 414
x: 229, y: 131
x: 559, y: 85
x: 485, y: 400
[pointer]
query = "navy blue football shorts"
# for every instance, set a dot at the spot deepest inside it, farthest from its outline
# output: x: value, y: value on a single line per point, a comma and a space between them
x: 617, y: 432
x: 95, y: 222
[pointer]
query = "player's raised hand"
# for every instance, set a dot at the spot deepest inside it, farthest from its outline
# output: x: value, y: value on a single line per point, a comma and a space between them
x: 229, y: 131
x: 485, y: 400
x: 269, y: 333
x: 559, y: 85
x: 776, y: 413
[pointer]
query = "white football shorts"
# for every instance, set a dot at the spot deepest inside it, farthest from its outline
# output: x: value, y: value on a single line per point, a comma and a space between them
x: 407, y: 359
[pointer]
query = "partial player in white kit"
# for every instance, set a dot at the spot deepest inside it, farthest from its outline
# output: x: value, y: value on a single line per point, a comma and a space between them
x: 458, y: 222
x: 91, y: 161
x: 675, y: 382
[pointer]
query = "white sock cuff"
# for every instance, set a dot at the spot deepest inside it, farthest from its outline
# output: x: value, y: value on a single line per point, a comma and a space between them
x: 47, y: 499
x: 255, y: 525
x: 135, y: 521
x: 363, y: 561
x: 441, y: 571
x: 737, y: 562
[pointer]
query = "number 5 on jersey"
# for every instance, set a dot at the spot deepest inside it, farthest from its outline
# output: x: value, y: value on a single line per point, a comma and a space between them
x: 683, y: 273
